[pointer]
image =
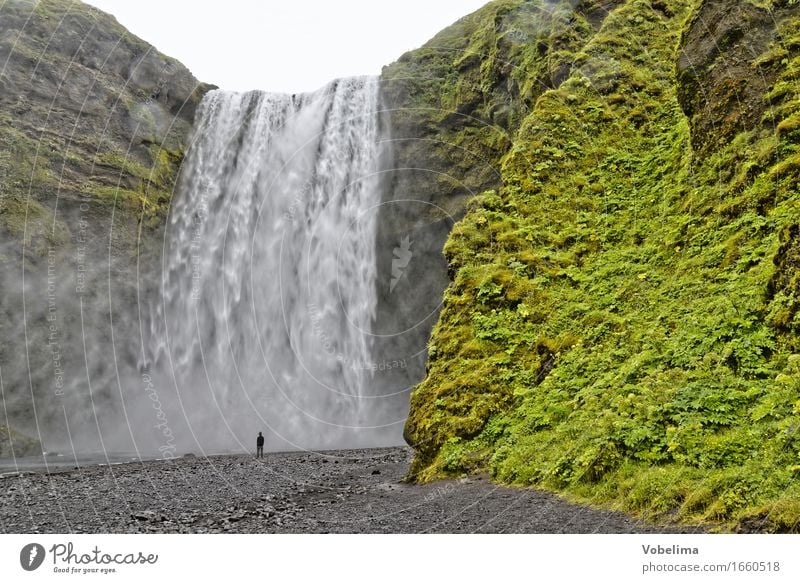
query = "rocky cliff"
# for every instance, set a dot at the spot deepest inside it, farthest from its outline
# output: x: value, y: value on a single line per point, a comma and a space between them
x: 453, y: 108
x: 93, y: 126
x: 621, y: 321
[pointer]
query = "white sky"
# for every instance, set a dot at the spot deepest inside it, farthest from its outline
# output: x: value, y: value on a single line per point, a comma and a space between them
x: 289, y: 46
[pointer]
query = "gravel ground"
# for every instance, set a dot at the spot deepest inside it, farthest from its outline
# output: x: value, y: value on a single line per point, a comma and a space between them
x: 344, y: 491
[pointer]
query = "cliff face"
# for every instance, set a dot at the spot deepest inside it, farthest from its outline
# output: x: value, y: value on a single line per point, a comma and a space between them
x: 87, y: 109
x: 621, y: 321
x: 453, y: 108
x: 93, y: 126
x: 727, y: 70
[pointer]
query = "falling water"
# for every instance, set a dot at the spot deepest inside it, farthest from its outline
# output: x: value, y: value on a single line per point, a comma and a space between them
x: 269, y: 276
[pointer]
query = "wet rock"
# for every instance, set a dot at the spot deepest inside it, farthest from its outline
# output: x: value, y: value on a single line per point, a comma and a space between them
x: 145, y: 515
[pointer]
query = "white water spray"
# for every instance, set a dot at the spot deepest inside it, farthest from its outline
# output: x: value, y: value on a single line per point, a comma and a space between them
x: 269, y: 276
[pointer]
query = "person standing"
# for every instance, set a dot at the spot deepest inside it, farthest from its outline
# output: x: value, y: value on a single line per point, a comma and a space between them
x: 260, y: 445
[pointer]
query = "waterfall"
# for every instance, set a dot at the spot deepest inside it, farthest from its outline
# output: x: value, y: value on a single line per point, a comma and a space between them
x: 268, y: 288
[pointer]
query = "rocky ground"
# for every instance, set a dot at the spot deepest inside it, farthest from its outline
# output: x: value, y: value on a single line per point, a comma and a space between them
x: 345, y: 491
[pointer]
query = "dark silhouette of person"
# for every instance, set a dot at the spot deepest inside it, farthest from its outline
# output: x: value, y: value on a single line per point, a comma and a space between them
x: 260, y: 445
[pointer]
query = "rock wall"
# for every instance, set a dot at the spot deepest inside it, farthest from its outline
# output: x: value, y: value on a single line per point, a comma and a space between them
x: 93, y: 126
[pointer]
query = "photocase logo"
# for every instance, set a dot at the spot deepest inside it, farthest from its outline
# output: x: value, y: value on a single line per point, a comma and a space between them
x: 31, y: 556
x: 401, y: 258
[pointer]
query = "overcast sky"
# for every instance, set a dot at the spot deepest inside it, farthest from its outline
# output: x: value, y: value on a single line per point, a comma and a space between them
x: 287, y: 46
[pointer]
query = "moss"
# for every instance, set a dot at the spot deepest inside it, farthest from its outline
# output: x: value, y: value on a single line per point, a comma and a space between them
x: 154, y: 183
x: 623, y: 308
x: 32, y: 225
x: 15, y: 444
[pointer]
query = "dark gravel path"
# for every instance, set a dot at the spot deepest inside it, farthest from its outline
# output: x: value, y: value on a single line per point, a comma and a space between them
x: 344, y: 491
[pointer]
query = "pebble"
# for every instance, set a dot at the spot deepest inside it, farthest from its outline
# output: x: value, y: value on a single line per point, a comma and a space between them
x: 224, y: 494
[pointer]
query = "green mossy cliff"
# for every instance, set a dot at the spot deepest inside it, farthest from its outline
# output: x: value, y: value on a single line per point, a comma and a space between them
x: 454, y: 106
x: 622, y: 319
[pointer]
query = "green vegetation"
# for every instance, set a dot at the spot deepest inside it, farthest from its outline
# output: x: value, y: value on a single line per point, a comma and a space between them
x: 457, y: 100
x: 622, y: 325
